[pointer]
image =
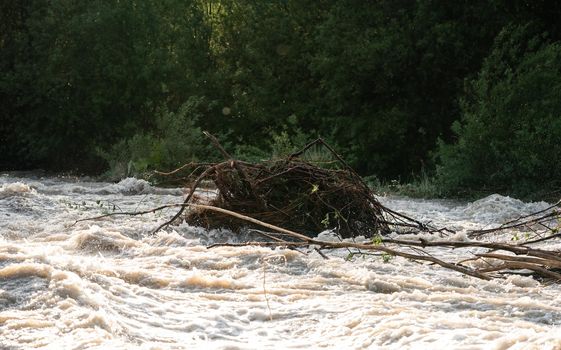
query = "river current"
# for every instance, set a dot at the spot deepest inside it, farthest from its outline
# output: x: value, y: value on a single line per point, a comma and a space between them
x: 110, y: 284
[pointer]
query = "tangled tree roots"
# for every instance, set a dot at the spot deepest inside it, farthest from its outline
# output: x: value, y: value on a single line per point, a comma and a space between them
x: 294, y: 194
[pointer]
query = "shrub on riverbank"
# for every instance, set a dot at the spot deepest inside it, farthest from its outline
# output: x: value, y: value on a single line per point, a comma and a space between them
x: 508, y: 137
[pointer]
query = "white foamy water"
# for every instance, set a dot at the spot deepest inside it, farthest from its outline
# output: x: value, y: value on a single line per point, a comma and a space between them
x: 109, y: 284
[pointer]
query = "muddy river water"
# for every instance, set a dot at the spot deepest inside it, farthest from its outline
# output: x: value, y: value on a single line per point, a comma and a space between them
x: 109, y: 284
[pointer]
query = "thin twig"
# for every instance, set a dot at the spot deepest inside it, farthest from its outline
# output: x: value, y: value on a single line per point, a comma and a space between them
x: 188, y: 198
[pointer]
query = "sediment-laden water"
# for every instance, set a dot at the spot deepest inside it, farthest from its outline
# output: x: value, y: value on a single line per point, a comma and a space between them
x: 109, y: 284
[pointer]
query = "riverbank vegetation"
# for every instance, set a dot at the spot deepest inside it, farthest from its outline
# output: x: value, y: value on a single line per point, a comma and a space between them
x: 455, y: 97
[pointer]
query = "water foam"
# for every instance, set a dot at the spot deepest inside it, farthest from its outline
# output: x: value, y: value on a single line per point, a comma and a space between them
x: 15, y: 189
x: 110, y: 284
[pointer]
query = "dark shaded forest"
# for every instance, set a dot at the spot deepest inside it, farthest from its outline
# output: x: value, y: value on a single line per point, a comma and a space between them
x: 468, y: 92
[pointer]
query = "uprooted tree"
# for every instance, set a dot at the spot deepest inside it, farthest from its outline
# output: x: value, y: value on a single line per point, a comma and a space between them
x: 292, y: 193
x: 294, y: 200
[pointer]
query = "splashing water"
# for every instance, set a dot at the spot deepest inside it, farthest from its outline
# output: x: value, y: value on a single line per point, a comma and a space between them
x: 109, y: 284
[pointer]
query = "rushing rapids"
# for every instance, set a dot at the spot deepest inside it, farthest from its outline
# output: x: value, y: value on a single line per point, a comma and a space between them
x: 109, y: 284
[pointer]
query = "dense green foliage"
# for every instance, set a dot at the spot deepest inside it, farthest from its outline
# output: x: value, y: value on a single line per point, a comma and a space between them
x: 508, y: 138
x: 129, y: 85
x: 78, y: 75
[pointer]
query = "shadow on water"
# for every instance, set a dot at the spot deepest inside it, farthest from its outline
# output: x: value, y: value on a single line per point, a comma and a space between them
x: 16, y: 292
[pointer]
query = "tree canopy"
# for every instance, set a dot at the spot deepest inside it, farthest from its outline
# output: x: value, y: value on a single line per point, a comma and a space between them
x: 467, y: 89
